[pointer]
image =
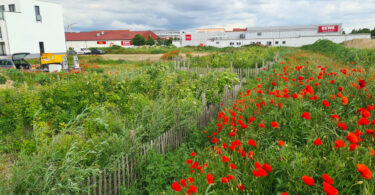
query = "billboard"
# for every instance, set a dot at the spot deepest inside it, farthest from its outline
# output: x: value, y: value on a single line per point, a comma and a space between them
x: 330, y: 28
x: 126, y: 43
x: 188, y: 37
x: 101, y: 42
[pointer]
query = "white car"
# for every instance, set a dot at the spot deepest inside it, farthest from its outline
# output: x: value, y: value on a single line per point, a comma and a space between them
x: 82, y: 51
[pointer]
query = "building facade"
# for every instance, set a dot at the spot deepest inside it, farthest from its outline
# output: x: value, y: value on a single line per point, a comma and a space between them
x: 31, y: 26
x: 106, y: 38
x: 290, y: 36
x: 166, y: 34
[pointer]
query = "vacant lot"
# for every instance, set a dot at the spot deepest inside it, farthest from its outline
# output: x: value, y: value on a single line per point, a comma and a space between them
x: 361, y: 43
x: 144, y: 57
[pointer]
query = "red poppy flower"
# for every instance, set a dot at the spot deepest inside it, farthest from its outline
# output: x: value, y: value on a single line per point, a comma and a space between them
x: 352, y: 147
x: 193, y: 154
x: 340, y: 88
x: 224, y: 180
x: 259, y: 173
x: 318, y: 142
x: 252, y: 142
x: 183, y: 182
x: 192, y: 189
x: 251, y: 119
x: 267, y: 167
x: 176, y: 186
x: 241, y: 187
x: 308, y: 180
x: 210, y: 178
x: 251, y: 155
x: 261, y: 125
x: 257, y: 165
x: 342, y: 126
x: 214, y: 140
x: 274, y: 124
x: 353, y: 138
x: 232, y: 166
x: 306, y: 115
x: 231, y: 177
x: 363, y: 121
x: 327, y: 179
x: 325, y: 103
x: 369, y: 131
x: 335, y: 117
x: 329, y: 190
x: 284, y: 193
x: 365, y: 171
x: 372, y: 152
x: 295, y: 95
x: 366, y: 114
x: 362, y: 84
x: 339, y: 144
x: 225, y: 159
x: 189, y: 161
x: 194, y: 165
x: 281, y: 143
x: 190, y: 180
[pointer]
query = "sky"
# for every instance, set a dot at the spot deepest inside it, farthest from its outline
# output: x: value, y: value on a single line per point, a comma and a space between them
x: 191, y: 14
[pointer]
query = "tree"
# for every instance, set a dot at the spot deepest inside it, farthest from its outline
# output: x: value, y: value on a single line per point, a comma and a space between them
x: 373, y: 33
x: 169, y: 41
x: 364, y: 30
x: 159, y: 41
x: 150, y: 40
x: 138, y: 40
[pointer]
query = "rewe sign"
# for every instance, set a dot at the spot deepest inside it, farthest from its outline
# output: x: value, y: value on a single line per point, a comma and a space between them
x: 331, y: 28
x: 188, y: 37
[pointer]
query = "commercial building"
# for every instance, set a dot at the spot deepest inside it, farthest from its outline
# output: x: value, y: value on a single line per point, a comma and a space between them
x: 31, y: 26
x: 105, y: 38
x: 291, y: 36
x: 166, y: 34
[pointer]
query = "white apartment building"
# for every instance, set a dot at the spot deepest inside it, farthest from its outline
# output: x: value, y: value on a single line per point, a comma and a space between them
x: 31, y: 26
x: 291, y: 36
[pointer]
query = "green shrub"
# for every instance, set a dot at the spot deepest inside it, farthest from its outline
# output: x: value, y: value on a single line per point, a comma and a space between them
x: 364, y: 57
x: 3, y: 80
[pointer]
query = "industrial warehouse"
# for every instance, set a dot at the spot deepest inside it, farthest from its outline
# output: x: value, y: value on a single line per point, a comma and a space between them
x: 290, y: 36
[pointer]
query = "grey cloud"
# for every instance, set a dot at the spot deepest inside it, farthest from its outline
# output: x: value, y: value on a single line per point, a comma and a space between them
x: 189, y: 14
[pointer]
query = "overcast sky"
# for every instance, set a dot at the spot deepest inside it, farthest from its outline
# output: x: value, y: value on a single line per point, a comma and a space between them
x: 190, y: 14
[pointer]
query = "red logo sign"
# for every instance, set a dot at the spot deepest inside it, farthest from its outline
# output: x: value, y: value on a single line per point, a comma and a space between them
x: 332, y: 28
x: 188, y: 37
x: 101, y: 42
x: 126, y: 43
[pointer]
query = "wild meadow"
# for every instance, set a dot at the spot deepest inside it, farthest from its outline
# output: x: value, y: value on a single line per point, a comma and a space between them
x: 304, y: 126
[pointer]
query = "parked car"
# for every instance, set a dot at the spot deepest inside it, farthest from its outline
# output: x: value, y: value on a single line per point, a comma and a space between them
x: 72, y: 53
x: 97, y: 51
x: 7, y: 64
x: 20, y: 62
x: 82, y: 50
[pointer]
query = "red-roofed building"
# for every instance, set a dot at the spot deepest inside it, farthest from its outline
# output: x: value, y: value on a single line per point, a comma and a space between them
x: 104, y: 38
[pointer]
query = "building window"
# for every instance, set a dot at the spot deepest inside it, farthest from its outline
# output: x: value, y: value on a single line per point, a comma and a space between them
x: 217, y: 42
x: 1, y: 34
x: 259, y: 34
x: 12, y: 8
x: 269, y: 43
x: 238, y: 43
x: 37, y: 14
x: 284, y: 42
x: 231, y: 43
x: 276, y: 42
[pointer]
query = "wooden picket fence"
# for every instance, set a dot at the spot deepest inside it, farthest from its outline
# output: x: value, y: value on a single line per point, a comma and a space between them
x: 182, y: 65
x: 124, y: 171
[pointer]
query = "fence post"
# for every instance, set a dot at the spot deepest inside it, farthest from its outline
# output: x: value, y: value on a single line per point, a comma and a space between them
x: 207, y: 67
x: 256, y: 69
x: 231, y: 66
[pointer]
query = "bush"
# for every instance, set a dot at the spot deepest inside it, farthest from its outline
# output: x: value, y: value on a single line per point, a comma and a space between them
x: 3, y: 80
x: 346, y: 55
x: 171, y: 55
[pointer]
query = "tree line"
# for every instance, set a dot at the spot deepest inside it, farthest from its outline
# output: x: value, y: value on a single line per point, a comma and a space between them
x: 364, y: 30
x: 140, y: 40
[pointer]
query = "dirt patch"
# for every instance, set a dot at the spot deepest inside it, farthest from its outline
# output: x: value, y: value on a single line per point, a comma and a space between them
x: 143, y: 57
x: 360, y: 43
x: 8, y: 84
